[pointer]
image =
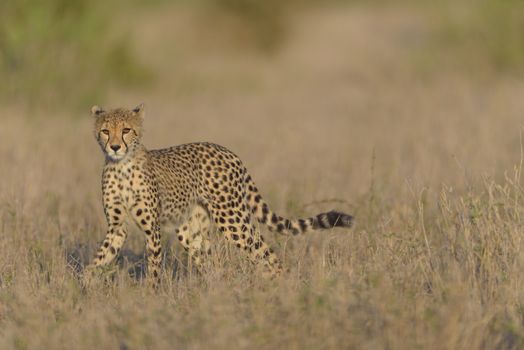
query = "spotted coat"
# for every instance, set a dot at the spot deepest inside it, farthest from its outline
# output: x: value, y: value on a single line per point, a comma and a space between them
x: 193, y: 187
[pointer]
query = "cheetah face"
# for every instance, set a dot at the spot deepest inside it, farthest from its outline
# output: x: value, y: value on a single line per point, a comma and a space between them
x: 118, y: 131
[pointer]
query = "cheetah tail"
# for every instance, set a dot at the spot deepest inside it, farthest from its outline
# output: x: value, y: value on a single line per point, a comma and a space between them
x: 274, y: 222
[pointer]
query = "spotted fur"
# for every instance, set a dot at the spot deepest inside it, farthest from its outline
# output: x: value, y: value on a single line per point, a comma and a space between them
x: 191, y: 187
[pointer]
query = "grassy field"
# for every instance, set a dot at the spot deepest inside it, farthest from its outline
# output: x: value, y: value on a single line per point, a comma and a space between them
x: 348, y: 113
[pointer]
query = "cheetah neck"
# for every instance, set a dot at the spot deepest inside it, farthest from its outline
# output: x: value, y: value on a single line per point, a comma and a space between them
x: 126, y: 174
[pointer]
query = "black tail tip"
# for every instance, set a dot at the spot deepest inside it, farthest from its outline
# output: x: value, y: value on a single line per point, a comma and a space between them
x: 338, y: 219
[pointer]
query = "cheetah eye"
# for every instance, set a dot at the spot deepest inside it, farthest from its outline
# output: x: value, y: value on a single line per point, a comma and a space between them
x: 105, y: 131
x: 126, y: 130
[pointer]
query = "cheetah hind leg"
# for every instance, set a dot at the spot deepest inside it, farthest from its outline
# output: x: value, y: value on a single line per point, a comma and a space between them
x: 260, y: 253
x: 193, y: 234
x: 245, y: 236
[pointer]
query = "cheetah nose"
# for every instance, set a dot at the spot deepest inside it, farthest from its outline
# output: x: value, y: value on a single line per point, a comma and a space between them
x: 115, y: 147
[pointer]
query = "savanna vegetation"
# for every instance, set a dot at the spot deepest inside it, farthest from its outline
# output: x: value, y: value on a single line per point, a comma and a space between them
x: 407, y: 114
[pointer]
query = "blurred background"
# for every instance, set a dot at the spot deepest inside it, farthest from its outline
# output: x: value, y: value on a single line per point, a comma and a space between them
x: 48, y: 48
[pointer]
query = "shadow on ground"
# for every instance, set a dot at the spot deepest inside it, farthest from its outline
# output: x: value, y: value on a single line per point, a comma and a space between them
x: 78, y: 256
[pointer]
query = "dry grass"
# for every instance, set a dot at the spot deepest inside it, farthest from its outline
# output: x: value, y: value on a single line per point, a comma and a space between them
x: 430, y: 166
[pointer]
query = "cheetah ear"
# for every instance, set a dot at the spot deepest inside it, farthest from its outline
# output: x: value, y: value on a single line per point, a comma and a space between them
x: 139, y: 110
x: 96, y: 111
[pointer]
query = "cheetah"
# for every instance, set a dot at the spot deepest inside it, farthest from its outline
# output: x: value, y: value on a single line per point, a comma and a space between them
x: 190, y: 188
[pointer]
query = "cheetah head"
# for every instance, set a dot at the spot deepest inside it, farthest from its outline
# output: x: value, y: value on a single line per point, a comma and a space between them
x: 118, y: 131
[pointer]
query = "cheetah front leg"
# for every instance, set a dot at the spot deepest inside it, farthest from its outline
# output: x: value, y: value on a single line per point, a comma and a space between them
x: 115, y: 237
x: 145, y: 215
